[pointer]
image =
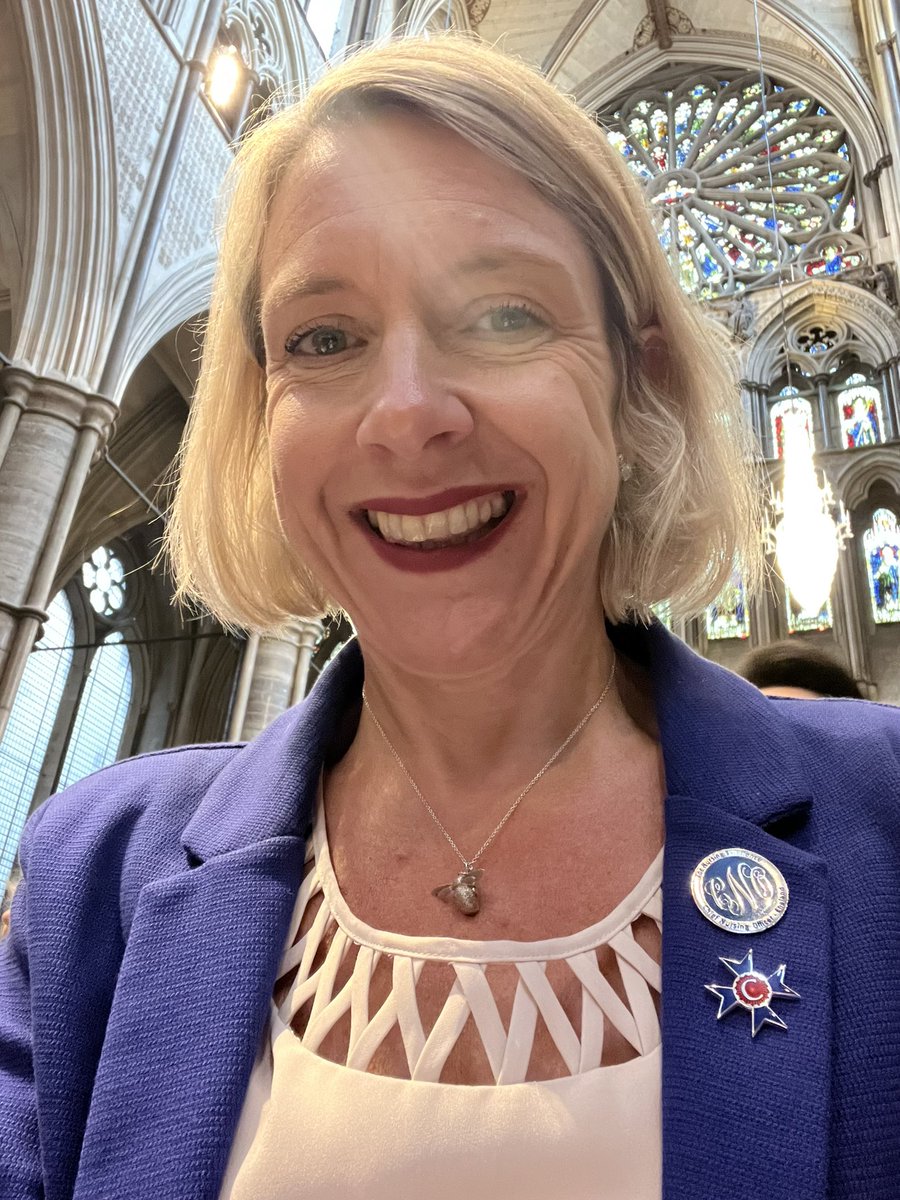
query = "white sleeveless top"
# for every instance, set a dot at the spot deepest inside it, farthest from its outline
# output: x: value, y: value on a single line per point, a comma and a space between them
x: 317, y: 1129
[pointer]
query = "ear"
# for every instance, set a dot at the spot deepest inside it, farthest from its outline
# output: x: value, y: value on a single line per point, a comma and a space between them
x: 653, y: 356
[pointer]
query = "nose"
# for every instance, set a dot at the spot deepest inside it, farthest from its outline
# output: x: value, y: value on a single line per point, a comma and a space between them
x: 413, y: 406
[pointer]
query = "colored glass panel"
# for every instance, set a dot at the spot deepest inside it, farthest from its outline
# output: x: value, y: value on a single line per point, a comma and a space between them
x: 728, y: 616
x: 702, y: 147
x: 791, y: 408
x: 881, y: 545
x: 663, y: 613
x: 859, y: 405
x: 800, y: 620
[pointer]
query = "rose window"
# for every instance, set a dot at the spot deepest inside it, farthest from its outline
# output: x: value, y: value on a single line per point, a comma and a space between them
x: 698, y: 146
x: 104, y: 577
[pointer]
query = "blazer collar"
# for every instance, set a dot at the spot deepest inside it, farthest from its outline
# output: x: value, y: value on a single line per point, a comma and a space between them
x: 269, y: 788
x: 723, y: 741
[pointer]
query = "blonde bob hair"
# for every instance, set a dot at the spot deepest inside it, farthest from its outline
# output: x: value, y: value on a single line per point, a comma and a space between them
x: 689, y: 508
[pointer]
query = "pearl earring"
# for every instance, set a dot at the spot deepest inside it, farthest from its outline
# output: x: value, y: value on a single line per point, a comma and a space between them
x: 625, y: 469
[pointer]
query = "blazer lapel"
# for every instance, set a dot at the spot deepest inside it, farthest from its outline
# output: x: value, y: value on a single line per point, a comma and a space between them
x: 200, y: 963
x: 739, y: 1112
x: 187, y: 1016
x: 743, y: 1112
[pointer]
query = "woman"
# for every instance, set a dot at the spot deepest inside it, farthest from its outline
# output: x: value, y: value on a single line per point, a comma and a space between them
x: 408, y: 942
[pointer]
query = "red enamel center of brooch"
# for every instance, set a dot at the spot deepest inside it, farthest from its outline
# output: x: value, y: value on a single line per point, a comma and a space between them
x: 752, y: 990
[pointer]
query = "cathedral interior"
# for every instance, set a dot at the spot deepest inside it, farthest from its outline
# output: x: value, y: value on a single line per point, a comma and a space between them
x: 766, y: 137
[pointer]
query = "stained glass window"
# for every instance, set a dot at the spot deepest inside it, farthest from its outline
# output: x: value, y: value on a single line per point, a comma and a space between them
x: 800, y: 620
x: 859, y: 406
x: 30, y: 725
x: 881, y: 544
x: 791, y: 408
x: 698, y: 146
x: 728, y: 616
x: 663, y: 613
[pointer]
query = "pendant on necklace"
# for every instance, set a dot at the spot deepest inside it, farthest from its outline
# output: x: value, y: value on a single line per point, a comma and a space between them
x: 463, y: 891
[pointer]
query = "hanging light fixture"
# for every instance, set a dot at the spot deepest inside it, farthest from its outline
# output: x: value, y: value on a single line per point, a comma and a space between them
x: 806, y: 538
x: 224, y: 76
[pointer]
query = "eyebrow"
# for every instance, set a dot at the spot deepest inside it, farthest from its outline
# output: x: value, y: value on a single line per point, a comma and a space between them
x: 298, y: 288
x: 295, y: 288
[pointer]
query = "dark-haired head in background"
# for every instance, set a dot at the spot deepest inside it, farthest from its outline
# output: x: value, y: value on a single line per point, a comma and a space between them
x: 799, y: 670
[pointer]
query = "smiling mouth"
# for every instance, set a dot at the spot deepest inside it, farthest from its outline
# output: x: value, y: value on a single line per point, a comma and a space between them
x: 456, y: 526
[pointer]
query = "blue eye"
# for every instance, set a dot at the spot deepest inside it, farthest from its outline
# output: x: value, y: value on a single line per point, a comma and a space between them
x: 509, y: 318
x: 324, y: 341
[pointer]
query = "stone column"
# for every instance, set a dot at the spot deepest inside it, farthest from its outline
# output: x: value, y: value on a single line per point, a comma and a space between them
x: 274, y: 676
x: 850, y: 623
x: 888, y: 406
x: 821, y: 382
x: 50, y: 433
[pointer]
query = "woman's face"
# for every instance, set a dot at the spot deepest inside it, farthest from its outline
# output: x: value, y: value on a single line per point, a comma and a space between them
x: 440, y: 394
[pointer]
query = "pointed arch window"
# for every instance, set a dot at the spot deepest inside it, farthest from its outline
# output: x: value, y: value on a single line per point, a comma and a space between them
x: 859, y: 410
x: 728, y: 616
x: 31, y: 725
x: 102, y: 711
x: 800, y: 620
x: 702, y: 144
x: 881, y: 544
x: 790, y: 409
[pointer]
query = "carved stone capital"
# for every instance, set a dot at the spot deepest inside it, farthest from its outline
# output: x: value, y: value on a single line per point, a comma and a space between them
x: 58, y: 400
x: 300, y: 632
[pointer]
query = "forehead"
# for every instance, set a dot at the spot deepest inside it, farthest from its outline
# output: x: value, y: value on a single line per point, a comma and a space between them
x: 398, y: 180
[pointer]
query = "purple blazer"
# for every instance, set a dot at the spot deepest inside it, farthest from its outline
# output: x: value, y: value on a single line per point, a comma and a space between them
x: 145, y: 940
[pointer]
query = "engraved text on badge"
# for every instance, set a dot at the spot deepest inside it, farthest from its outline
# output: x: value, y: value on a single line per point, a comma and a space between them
x: 739, y: 890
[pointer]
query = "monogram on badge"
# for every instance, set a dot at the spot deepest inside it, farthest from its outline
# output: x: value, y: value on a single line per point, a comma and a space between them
x: 743, y: 892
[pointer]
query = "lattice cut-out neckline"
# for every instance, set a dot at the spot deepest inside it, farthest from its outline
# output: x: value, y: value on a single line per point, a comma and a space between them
x: 354, y: 989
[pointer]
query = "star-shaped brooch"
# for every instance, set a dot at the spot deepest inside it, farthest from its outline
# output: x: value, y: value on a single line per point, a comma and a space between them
x: 752, y: 990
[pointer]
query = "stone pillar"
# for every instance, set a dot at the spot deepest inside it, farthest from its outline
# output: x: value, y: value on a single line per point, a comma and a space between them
x: 850, y: 621
x: 888, y: 405
x: 50, y: 433
x: 274, y: 676
x: 821, y: 382
x: 760, y: 395
x: 754, y: 408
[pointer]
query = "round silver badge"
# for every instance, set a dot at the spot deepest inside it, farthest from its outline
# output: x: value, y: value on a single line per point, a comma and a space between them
x: 739, y: 891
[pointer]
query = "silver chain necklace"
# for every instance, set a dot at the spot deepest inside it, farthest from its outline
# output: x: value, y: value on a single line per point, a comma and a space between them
x: 463, y: 891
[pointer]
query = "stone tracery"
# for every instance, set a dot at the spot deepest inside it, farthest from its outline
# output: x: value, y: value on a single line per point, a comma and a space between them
x: 697, y: 143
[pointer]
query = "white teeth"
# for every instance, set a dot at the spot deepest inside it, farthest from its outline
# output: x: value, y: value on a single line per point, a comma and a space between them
x: 437, y: 526
x: 450, y: 523
x: 456, y: 519
x: 413, y: 529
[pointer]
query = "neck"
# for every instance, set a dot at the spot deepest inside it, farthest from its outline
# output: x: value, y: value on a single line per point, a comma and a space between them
x: 486, y: 733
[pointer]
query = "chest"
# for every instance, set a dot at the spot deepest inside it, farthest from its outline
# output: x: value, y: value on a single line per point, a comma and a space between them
x: 472, y: 1011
